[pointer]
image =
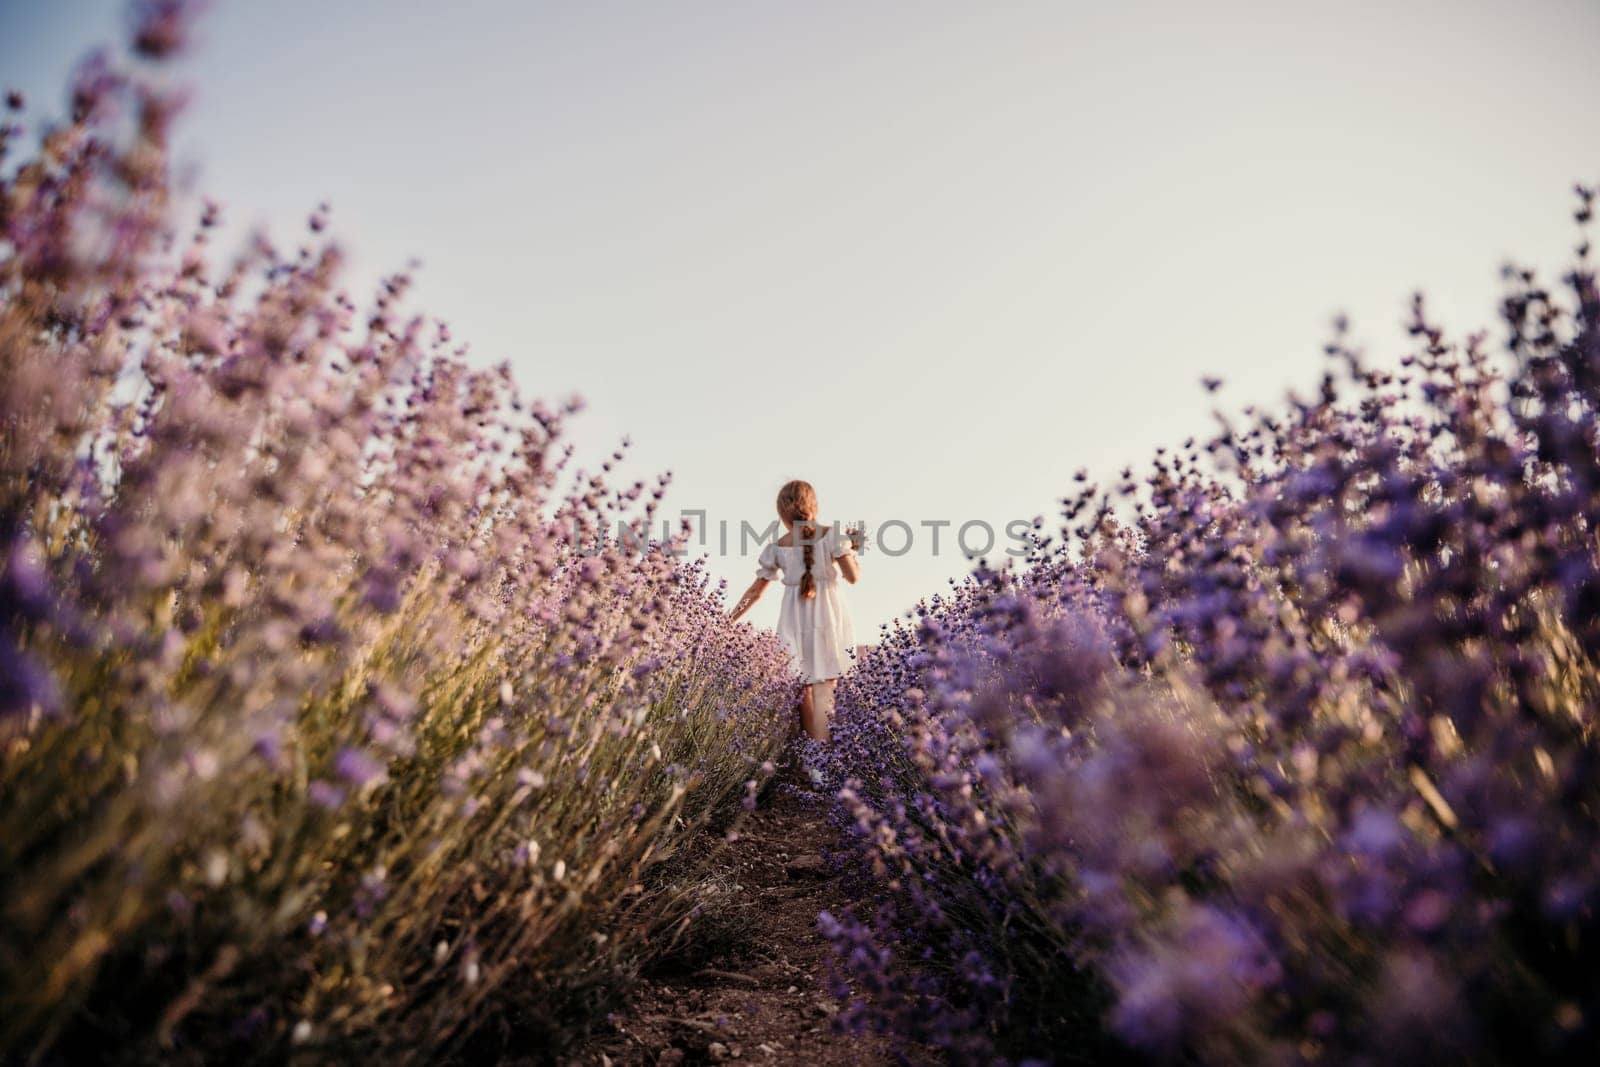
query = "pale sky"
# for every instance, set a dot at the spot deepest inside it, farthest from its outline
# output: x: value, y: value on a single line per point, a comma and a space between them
x: 931, y: 257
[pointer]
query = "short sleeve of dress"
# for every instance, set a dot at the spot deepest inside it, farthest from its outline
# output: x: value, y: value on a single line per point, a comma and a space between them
x: 767, y: 563
x: 838, y: 544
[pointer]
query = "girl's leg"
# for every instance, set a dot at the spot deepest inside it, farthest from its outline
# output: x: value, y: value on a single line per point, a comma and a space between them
x: 816, y: 708
x: 805, y: 710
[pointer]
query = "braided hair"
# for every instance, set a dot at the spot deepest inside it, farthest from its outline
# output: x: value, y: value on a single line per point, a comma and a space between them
x: 797, y: 504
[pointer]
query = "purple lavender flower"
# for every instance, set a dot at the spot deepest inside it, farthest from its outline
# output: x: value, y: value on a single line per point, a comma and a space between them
x: 357, y: 767
x: 325, y: 794
x: 26, y: 685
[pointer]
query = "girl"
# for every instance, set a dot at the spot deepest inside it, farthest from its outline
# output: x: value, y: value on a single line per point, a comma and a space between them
x: 813, y: 622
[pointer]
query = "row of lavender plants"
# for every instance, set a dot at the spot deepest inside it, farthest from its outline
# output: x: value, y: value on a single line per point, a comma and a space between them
x: 327, y: 725
x: 1284, y: 751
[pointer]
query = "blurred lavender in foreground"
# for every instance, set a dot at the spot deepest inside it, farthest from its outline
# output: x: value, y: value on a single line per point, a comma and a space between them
x: 1295, y: 761
x: 315, y: 730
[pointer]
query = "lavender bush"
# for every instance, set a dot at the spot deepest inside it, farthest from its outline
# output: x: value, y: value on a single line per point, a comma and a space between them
x: 330, y: 719
x: 1284, y: 751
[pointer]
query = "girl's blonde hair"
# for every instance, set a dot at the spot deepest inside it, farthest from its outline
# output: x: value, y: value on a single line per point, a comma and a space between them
x: 797, y: 504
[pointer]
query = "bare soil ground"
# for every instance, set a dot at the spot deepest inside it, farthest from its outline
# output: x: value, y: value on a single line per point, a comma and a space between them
x: 759, y: 992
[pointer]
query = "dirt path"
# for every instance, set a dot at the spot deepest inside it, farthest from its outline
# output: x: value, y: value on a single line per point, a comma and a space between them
x: 760, y: 995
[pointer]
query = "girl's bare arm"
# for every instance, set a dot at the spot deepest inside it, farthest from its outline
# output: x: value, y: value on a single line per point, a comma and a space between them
x: 749, y: 599
x: 849, y: 567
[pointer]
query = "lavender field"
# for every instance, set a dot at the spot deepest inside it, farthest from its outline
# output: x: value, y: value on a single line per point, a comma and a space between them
x: 1283, y: 751
x: 337, y: 722
x: 325, y: 726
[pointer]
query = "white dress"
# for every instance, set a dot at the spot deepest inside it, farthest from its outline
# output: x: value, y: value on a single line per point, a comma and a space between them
x: 818, y: 632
